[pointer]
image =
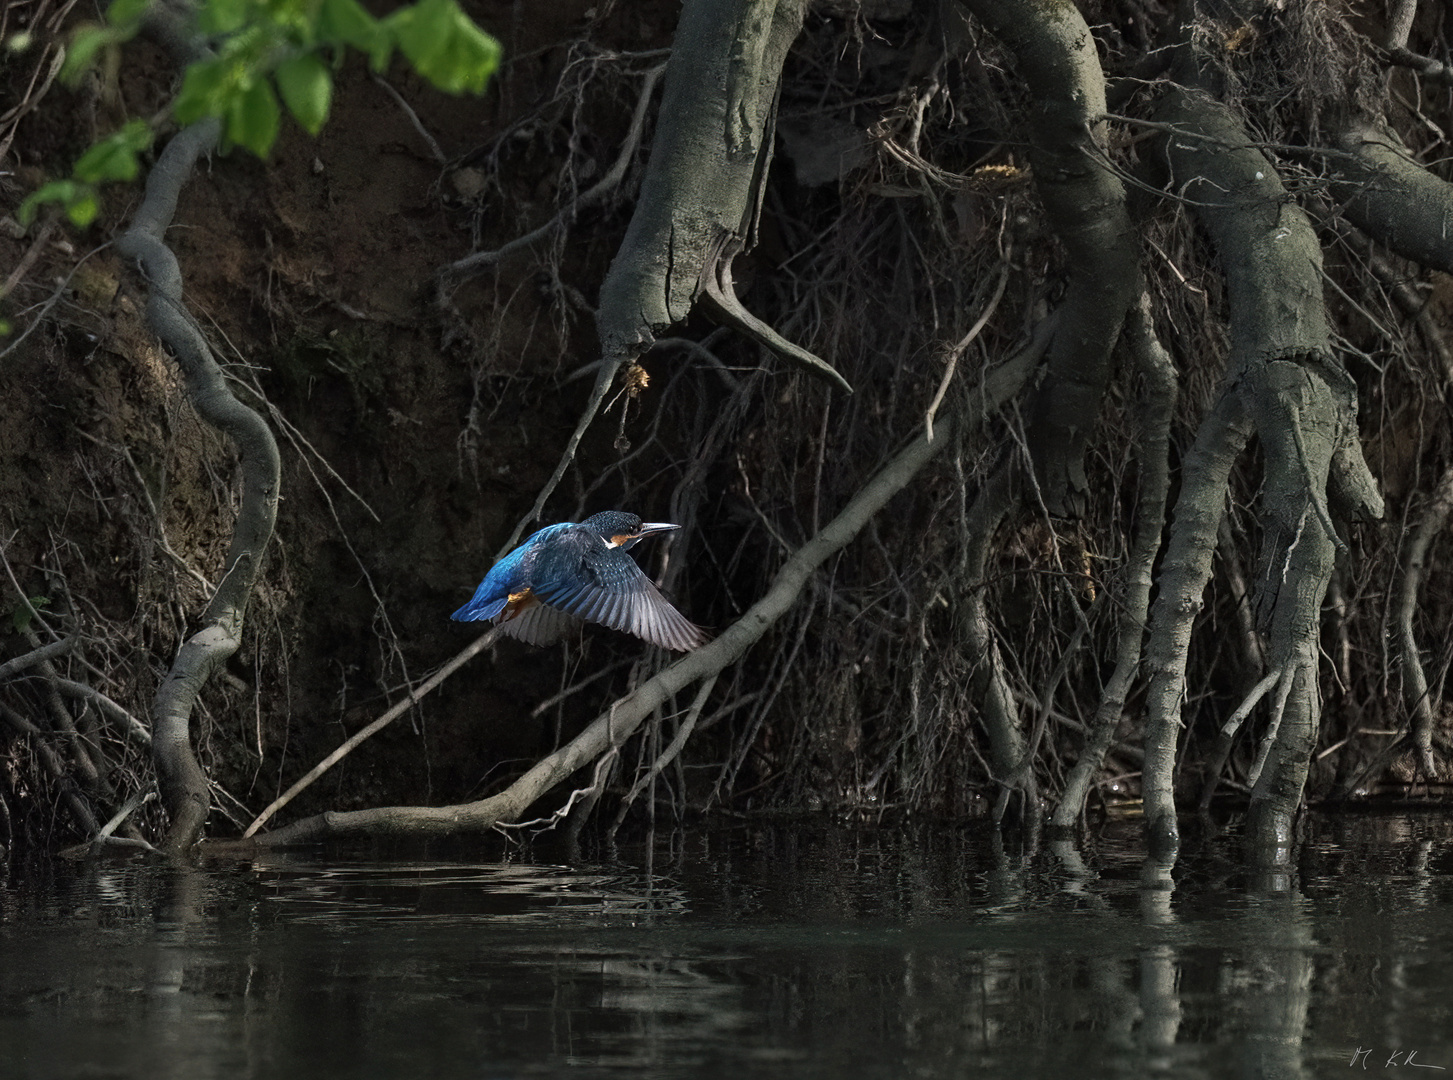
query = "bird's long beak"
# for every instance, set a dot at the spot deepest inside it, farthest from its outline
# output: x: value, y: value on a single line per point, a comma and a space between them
x: 649, y: 528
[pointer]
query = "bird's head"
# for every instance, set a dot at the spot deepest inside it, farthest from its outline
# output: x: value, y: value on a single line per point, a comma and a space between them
x: 619, y: 529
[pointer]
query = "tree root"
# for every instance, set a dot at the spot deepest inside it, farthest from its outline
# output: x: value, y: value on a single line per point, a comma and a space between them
x: 699, y: 197
x: 1085, y: 203
x: 180, y: 775
x: 1304, y: 408
x: 1417, y: 695
x: 720, y: 293
x: 1392, y: 198
x: 80, y: 808
x: 1186, y: 571
x: 703, y: 187
x: 667, y: 756
x: 1153, y: 456
x: 43, y: 654
x: 461, y: 269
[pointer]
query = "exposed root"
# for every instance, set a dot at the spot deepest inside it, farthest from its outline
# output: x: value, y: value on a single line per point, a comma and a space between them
x: 1416, y: 691
x: 670, y: 754
x: 720, y: 291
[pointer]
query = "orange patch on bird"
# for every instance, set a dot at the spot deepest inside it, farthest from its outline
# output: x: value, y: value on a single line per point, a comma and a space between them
x: 518, y: 603
x: 617, y: 541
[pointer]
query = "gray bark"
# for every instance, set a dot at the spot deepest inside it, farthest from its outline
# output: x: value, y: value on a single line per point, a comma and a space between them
x: 1186, y: 570
x: 1417, y: 694
x: 699, y: 198
x: 180, y: 776
x: 700, y: 195
x: 1389, y: 196
x: 995, y: 500
x: 1303, y: 405
x: 1085, y: 204
x: 1158, y: 375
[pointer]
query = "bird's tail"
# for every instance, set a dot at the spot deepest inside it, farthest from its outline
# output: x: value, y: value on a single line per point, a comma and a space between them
x: 480, y: 609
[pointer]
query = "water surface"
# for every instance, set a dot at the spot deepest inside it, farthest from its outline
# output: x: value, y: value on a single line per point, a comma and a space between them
x: 792, y: 951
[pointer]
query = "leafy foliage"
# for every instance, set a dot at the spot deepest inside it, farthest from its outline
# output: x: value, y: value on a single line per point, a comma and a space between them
x: 265, y: 51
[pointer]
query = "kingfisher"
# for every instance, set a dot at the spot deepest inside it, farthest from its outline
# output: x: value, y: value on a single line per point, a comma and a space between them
x: 568, y: 573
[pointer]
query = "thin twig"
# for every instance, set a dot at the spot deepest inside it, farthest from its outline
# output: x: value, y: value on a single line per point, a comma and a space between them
x: 625, y: 715
x: 609, y: 182
x: 1288, y: 675
x: 958, y: 351
x: 414, y: 119
x: 28, y: 259
x: 1259, y: 691
x: 60, y: 290
x: 555, y: 699
x: 678, y: 743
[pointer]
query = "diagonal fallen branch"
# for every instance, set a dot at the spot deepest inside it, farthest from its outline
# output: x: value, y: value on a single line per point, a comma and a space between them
x: 37, y: 656
x: 623, y: 717
x: 415, y: 696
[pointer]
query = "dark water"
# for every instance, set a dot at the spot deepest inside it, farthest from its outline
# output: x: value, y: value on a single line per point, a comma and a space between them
x: 766, y: 952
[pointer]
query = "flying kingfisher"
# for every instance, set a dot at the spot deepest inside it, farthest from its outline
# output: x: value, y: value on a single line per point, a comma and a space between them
x: 567, y: 573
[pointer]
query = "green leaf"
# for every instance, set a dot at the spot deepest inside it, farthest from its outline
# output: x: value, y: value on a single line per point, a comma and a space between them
x: 82, y: 210
x: 346, y: 21
x: 445, y: 46
x: 126, y: 12
x: 297, y: 19
x: 114, y: 157
x: 252, y: 118
x: 223, y: 16
x: 5, y: 328
x: 20, y: 614
x: 107, y: 160
x: 85, y: 44
x: 206, y: 89
x: 61, y: 191
x: 307, y: 89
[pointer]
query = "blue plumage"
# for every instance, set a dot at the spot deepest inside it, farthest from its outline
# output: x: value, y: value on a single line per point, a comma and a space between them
x: 570, y: 572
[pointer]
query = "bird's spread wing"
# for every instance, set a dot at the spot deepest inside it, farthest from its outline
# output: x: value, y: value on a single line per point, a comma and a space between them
x: 606, y: 586
x: 540, y: 624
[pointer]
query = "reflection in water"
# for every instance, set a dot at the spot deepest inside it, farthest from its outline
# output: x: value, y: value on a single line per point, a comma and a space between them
x: 792, y: 952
